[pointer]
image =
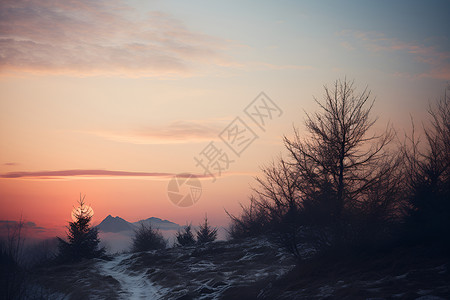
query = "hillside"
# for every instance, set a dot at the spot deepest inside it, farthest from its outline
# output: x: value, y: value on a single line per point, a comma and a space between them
x: 215, y: 271
x: 251, y: 269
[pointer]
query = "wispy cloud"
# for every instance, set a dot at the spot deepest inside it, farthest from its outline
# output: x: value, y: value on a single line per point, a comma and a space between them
x: 87, y: 173
x: 13, y: 224
x: 438, y: 61
x: 9, y: 227
x: 10, y: 164
x: 271, y: 66
x: 99, y: 37
x: 111, y: 174
x: 28, y: 229
x: 174, y: 133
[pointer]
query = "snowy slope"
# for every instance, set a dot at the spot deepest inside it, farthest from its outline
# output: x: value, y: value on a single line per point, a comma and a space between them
x: 133, y: 285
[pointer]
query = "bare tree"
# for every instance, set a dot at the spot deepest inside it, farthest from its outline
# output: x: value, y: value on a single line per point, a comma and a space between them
x: 277, y: 190
x: 340, y: 155
x: 337, y: 172
x: 428, y: 173
x: 253, y: 220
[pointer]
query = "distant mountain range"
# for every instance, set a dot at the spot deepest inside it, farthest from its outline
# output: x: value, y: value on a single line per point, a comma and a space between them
x: 117, y: 224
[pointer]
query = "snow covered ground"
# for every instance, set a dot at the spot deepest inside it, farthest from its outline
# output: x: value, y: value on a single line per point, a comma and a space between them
x: 220, y: 270
x: 248, y: 269
x: 133, y: 285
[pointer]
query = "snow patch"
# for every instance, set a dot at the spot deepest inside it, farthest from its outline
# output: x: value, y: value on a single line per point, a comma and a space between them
x: 134, y: 285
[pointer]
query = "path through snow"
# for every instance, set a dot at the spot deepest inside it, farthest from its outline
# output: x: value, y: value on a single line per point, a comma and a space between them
x: 133, y: 285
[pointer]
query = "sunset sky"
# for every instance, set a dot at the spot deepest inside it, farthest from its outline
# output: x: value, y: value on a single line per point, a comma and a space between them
x: 110, y: 99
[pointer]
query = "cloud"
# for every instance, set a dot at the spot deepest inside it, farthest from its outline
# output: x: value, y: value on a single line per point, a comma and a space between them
x: 174, y: 133
x: 10, y: 164
x: 89, y: 173
x: 99, y: 37
x: 347, y: 46
x: 438, y: 61
x: 270, y: 66
x: 10, y: 226
x: 28, y: 229
x: 110, y: 174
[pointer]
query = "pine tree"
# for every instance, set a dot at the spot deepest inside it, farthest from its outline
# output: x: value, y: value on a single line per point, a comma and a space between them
x: 185, y: 237
x: 82, y: 239
x: 206, y: 233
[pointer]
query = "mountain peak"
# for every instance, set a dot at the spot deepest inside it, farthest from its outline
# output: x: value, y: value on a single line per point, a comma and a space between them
x: 158, y: 223
x: 114, y: 224
x: 117, y: 224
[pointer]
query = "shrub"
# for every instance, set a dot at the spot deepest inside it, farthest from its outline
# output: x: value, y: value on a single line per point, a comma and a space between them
x: 428, y: 173
x: 147, y: 238
x: 185, y: 237
x: 253, y: 221
x: 13, y: 281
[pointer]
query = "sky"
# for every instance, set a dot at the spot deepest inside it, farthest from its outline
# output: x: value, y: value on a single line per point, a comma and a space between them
x: 112, y: 99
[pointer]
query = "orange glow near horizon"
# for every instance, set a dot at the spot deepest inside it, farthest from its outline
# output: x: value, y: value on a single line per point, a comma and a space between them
x: 47, y: 202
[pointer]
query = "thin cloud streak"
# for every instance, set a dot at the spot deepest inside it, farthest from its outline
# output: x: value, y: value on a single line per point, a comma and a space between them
x: 178, y: 132
x: 30, y: 229
x: 77, y: 173
x: 90, y: 173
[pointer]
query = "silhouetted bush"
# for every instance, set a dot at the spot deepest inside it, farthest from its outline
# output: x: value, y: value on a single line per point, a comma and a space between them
x: 147, y: 238
x: 253, y: 221
x: 185, y: 237
x: 83, y: 241
x: 206, y: 233
x: 13, y: 282
x: 41, y: 253
x: 428, y: 174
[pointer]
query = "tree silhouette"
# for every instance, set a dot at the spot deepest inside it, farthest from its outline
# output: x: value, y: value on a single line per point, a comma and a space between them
x: 339, y: 157
x: 206, y: 233
x: 12, y: 271
x: 82, y: 239
x: 336, y: 174
x: 146, y: 238
x: 428, y: 174
x: 185, y: 237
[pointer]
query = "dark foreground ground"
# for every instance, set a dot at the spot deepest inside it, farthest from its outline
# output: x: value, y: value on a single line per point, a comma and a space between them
x: 252, y: 269
x: 403, y: 273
